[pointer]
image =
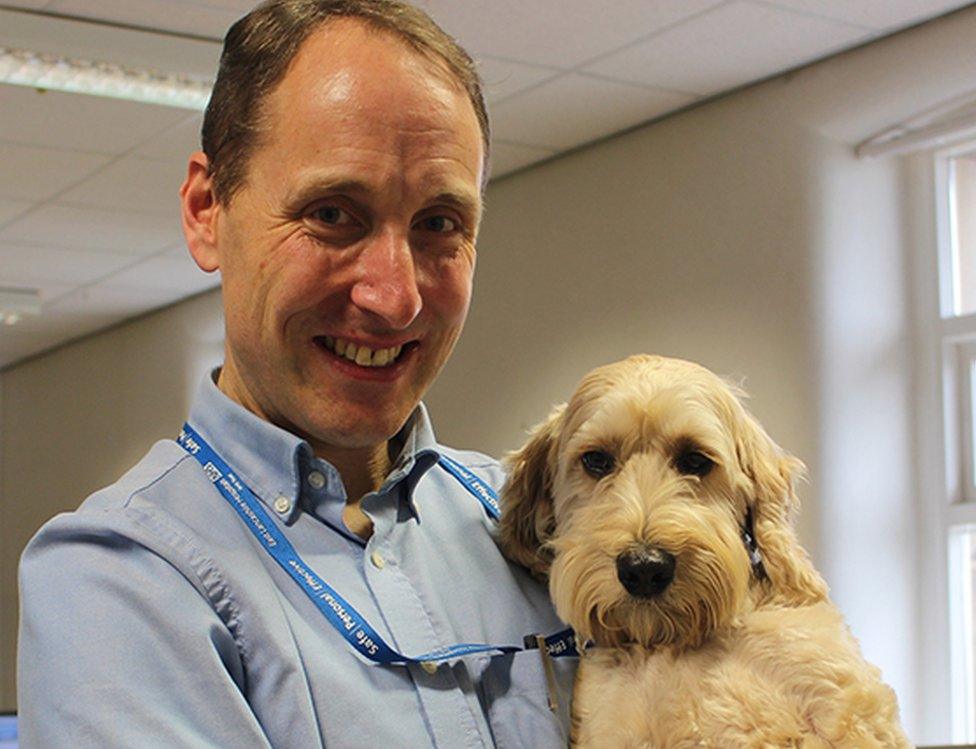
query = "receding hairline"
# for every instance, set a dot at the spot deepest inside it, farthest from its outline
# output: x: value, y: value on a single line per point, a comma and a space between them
x: 443, y: 71
x: 440, y: 67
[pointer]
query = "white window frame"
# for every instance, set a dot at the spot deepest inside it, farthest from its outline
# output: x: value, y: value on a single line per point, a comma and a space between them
x: 957, y: 510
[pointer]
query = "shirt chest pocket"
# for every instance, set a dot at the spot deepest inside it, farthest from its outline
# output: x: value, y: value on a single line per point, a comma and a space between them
x: 516, y: 695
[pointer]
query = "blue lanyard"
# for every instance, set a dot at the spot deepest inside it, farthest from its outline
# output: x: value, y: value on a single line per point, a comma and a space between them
x: 481, y: 491
x: 338, y: 612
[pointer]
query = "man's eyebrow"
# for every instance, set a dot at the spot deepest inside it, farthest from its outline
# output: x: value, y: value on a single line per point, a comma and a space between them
x: 316, y: 187
x: 462, y: 201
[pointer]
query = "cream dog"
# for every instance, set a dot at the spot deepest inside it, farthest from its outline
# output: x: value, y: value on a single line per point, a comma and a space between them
x: 659, y: 510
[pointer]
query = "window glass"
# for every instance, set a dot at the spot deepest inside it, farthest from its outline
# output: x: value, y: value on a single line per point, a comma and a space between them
x: 962, y: 206
x: 962, y: 583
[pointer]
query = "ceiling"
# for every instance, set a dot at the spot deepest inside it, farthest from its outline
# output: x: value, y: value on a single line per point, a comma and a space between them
x: 88, y: 199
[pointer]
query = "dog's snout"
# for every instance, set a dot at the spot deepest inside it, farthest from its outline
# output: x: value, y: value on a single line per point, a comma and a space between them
x: 645, y: 571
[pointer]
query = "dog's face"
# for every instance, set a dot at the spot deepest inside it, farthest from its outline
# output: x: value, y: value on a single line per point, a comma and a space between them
x: 657, y: 507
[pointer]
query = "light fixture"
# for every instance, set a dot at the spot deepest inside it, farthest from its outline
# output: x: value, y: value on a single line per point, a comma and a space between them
x: 942, y: 125
x: 16, y: 302
x: 39, y: 70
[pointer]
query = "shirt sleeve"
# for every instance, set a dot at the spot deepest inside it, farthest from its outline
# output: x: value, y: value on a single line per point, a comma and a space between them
x: 118, y: 648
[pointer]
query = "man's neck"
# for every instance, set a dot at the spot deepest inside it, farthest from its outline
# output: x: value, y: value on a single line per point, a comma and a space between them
x: 362, y: 471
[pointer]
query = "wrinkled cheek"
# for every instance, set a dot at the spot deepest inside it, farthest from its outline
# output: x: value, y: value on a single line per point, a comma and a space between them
x: 447, y: 305
x: 449, y: 302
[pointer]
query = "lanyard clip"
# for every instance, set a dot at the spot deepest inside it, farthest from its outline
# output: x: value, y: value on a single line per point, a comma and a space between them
x: 552, y: 693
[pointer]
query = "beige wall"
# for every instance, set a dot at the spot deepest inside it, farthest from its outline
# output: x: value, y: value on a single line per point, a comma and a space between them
x: 742, y: 234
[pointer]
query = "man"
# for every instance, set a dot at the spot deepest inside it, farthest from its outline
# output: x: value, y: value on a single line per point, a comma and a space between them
x: 338, y: 193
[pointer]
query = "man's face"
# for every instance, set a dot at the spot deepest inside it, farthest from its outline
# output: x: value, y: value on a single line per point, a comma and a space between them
x: 356, y: 227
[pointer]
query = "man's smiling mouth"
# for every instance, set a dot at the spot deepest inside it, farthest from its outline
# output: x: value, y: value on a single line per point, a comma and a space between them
x: 361, y: 355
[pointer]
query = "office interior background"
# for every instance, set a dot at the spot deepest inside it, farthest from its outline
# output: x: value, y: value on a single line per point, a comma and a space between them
x: 782, y: 190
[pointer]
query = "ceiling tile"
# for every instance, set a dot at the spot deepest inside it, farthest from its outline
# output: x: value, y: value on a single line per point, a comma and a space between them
x: 89, y: 228
x: 36, y: 334
x: 502, y: 78
x: 49, y: 291
x: 727, y: 47
x: 875, y: 14
x: 562, y: 34
x: 241, y: 6
x: 32, y: 173
x: 507, y: 157
x: 167, y: 272
x: 172, y: 15
x: 35, y: 266
x: 174, y: 144
x: 575, y: 109
x: 81, y: 122
x: 130, y: 47
x: 10, y: 209
x: 131, y: 183
x: 101, y: 300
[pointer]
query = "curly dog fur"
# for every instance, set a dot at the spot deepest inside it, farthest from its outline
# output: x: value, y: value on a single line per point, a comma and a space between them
x: 660, y: 512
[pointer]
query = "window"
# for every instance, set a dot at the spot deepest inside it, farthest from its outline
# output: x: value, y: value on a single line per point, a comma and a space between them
x: 956, y: 196
x: 961, y: 175
x: 962, y: 584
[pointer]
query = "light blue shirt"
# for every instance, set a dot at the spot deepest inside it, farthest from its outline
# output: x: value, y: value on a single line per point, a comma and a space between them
x: 151, y: 616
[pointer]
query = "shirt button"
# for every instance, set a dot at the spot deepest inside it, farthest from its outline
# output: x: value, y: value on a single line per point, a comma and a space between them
x: 316, y: 480
x: 377, y: 559
x: 282, y: 504
x: 429, y: 666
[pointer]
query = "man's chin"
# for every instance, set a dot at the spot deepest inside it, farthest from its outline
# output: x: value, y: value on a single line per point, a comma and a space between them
x: 351, y: 434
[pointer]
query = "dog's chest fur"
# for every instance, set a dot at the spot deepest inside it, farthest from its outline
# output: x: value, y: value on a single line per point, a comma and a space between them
x: 770, y: 682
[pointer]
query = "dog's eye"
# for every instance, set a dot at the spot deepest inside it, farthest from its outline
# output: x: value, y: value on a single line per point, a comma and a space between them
x: 597, y: 463
x: 693, y: 463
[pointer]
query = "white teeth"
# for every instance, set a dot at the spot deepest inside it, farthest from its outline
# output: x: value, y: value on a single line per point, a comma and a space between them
x: 361, y: 355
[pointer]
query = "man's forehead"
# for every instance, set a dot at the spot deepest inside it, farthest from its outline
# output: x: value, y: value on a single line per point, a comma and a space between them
x: 341, y: 48
x: 359, y: 111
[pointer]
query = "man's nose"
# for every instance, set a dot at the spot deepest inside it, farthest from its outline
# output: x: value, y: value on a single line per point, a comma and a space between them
x: 386, y: 284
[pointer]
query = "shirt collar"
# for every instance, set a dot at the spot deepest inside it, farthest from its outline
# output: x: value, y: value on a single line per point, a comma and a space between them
x: 419, y: 452
x: 273, y: 462
x: 264, y: 456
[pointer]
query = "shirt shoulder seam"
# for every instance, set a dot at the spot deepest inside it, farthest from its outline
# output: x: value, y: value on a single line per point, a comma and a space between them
x: 207, y: 576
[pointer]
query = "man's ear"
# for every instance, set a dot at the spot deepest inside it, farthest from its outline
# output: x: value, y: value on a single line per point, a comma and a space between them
x: 199, y: 209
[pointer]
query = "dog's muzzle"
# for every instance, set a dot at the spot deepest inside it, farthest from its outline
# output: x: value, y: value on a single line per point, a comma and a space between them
x: 645, y: 571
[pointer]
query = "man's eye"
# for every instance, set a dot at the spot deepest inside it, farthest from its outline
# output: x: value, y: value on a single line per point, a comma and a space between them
x: 442, y: 224
x: 332, y: 215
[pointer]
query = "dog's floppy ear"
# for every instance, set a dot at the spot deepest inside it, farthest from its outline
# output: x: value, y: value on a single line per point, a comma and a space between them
x: 527, y: 520
x: 773, y: 474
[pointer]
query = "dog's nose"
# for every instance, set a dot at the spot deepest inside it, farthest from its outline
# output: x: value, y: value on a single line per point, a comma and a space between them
x: 645, y: 571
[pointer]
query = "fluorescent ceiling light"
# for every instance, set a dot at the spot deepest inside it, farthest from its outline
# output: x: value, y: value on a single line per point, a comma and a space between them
x: 16, y: 302
x: 44, y: 71
x: 941, y: 125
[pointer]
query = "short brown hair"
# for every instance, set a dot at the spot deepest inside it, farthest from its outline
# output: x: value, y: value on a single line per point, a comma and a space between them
x: 259, y: 48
